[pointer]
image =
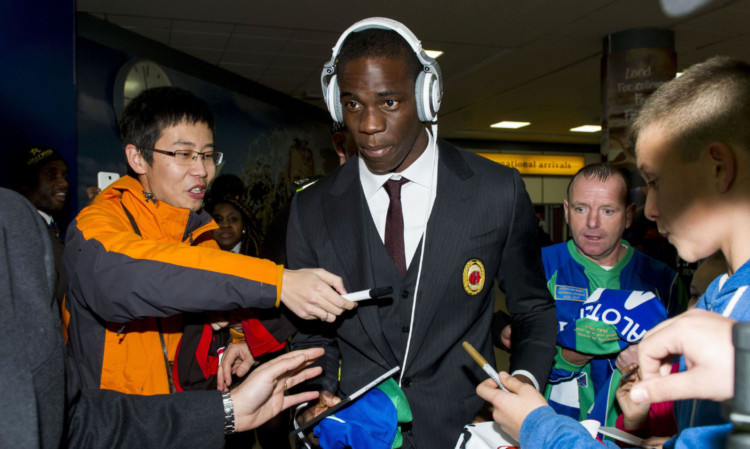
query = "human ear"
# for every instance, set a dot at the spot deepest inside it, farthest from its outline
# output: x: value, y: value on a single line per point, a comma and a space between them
x: 565, y: 209
x: 135, y: 159
x: 723, y: 165
x: 629, y: 212
x: 338, y: 145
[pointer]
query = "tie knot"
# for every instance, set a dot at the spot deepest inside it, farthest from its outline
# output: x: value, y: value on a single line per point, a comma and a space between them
x: 393, y: 187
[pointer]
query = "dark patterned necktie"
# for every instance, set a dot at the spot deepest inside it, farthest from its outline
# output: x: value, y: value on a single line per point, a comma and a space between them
x: 394, y: 224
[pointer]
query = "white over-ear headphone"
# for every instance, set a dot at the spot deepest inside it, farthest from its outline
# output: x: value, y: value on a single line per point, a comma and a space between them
x: 428, y: 90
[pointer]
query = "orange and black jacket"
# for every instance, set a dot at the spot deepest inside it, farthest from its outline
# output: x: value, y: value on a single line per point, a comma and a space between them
x: 134, y: 265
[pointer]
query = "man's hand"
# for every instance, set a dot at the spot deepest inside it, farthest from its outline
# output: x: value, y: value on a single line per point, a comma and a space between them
x: 260, y: 397
x: 575, y: 357
x: 237, y: 360
x: 308, y: 294
x: 484, y: 414
x: 92, y: 192
x: 219, y: 320
x: 524, y: 379
x: 325, y: 401
x: 510, y: 409
x: 705, y: 340
x: 635, y: 416
x: 656, y: 442
x: 219, y: 325
x: 505, y: 336
x: 626, y: 357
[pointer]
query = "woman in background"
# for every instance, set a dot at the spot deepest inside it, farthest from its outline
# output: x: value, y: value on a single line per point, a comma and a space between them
x: 247, y: 337
x: 236, y: 232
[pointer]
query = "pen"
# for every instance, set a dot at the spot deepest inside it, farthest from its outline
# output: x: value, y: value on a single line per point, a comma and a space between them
x: 483, y: 363
x: 629, y: 374
x: 372, y: 293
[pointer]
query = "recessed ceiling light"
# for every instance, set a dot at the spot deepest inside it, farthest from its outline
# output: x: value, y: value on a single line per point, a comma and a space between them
x: 433, y: 53
x: 510, y: 125
x: 587, y: 129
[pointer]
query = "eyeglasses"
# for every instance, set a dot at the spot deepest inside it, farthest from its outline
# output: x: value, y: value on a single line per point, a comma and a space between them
x: 188, y: 157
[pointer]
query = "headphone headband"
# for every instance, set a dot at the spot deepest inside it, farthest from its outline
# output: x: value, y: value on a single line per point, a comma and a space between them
x: 384, y: 23
x: 429, y: 88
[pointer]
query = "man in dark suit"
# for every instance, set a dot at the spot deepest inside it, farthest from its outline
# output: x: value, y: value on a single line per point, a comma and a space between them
x: 459, y: 222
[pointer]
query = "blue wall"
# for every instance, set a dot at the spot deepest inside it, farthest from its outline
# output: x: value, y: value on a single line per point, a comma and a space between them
x: 37, y: 84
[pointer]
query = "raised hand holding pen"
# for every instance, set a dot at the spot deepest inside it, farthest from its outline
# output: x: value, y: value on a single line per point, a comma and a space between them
x: 513, y: 403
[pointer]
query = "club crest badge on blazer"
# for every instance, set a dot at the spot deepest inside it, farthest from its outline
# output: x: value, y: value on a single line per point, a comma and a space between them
x: 473, y: 276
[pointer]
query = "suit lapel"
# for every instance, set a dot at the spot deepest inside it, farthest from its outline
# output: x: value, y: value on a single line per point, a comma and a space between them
x: 345, y: 213
x: 344, y: 224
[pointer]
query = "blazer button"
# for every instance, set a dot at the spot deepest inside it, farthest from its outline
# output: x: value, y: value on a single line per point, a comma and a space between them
x: 404, y: 294
x: 405, y: 329
x: 406, y: 381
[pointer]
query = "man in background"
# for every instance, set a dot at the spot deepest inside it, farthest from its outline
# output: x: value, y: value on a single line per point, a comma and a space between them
x: 598, y: 210
x: 40, y: 174
x: 274, y: 241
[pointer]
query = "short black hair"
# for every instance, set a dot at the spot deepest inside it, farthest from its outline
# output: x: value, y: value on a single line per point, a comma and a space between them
x: 378, y: 43
x: 602, y: 171
x: 150, y: 113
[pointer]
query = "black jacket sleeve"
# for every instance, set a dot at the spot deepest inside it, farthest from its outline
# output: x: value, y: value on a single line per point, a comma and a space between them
x: 534, y: 319
x: 104, y: 418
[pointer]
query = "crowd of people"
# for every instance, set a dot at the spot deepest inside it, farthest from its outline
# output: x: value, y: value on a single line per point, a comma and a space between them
x: 694, y: 155
x: 157, y: 323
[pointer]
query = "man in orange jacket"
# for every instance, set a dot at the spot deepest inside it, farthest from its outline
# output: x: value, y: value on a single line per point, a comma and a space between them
x: 142, y: 253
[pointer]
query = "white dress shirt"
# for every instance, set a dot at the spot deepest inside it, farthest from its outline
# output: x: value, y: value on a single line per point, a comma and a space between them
x: 47, y: 217
x: 414, y: 196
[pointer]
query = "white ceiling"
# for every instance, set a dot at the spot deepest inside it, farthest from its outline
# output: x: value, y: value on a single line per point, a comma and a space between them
x: 523, y: 60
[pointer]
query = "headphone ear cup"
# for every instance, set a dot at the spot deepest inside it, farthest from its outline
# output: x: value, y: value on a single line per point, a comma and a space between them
x: 436, y: 95
x: 419, y: 88
x: 427, y: 95
x: 333, y: 100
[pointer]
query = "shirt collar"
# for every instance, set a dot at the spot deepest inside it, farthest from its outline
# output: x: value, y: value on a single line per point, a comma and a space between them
x: 47, y: 217
x: 419, y: 172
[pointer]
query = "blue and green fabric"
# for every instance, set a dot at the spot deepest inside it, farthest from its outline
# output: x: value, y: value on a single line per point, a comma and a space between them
x: 370, y: 422
x: 605, y: 324
x: 571, y: 279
